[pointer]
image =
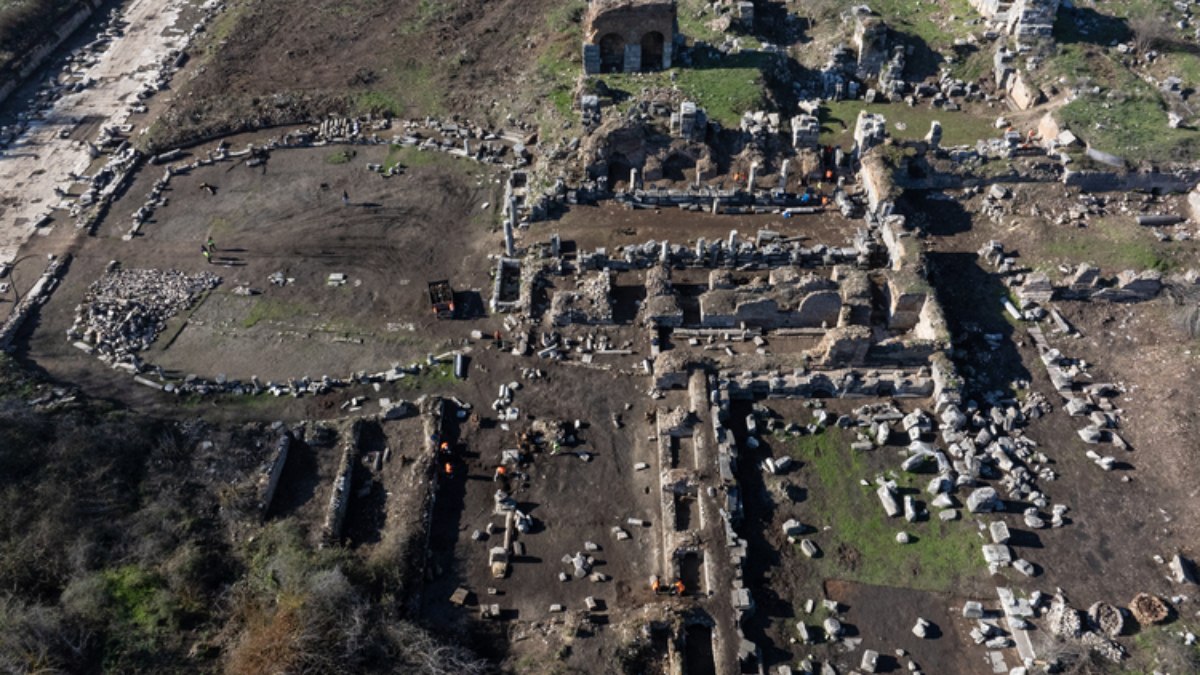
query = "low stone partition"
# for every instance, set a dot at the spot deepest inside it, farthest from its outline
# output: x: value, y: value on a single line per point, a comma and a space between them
x: 767, y: 250
x: 723, y: 201
x: 839, y: 383
x: 1121, y: 181
x: 38, y: 294
x: 269, y: 480
x: 339, y: 498
x: 508, y: 291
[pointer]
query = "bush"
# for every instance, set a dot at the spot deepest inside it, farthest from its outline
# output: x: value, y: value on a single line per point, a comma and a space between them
x: 1187, y: 319
x: 23, y: 23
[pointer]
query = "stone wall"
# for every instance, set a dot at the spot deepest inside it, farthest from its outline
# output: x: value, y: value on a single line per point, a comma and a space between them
x: 906, y: 300
x: 871, y: 41
x: 876, y: 178
x: 37, y: 56
x: 661, y: 307
x: 1031, y: 21
x: 870, y: 130
x: 835, y: 383
x: 931, y: 325
x: 339, y: 497
x: 771, y: 307
x: 32, y: 299
x: 1119, y: 181
x: 269, y: 481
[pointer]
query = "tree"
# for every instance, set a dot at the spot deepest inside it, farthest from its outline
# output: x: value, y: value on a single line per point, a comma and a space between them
x: 1150, y: 31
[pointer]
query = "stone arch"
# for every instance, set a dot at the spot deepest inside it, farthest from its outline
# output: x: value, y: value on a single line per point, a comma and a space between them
x: 652, y: 50
x: 612, y: 53
x: 822, y: 387
x: 676, y: 166
x: 819, y: 308
x: 618, y: 171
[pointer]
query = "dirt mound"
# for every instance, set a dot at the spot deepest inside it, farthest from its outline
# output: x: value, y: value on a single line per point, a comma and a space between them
x: 1149, y: 609
x: 1106, y: 619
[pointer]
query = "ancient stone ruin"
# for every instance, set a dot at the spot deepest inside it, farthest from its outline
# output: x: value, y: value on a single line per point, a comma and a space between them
x: 628, y: 36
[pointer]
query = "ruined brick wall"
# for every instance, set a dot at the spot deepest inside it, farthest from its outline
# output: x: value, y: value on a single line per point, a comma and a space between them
x: 628, y: 35
x: 1032, y: 20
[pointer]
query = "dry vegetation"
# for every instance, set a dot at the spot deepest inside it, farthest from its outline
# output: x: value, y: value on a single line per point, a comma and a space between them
x: 23, y: 23
x: 117, y: 555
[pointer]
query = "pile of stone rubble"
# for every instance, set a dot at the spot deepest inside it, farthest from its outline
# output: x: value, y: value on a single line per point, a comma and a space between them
x: 982, y: 443
x: 1082, y: 283
x: 589, y: 303
x: 1103, y: 623
x: 126, y: 309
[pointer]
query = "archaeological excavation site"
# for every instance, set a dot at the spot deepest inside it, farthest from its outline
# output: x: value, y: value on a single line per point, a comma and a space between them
x: 647, y: 337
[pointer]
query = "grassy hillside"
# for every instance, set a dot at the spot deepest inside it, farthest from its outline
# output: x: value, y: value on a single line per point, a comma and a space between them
x: 270, y: 62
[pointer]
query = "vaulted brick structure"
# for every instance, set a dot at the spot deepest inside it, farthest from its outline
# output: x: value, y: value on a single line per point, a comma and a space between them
x: 628, y: 36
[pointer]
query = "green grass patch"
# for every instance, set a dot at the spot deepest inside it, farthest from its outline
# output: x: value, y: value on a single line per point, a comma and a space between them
x: 724, y: 92
x: 559, y: 67
x: 225, y: 24
x: 1185, y: 66
x: 139, y: 598
x: 1113, y: 244
x: 437, y: 375
x: 934, y: 27
x: 340, y: 156
x: 958, y: 128
x: 410, y: 87
x: 409, y: 157
x: 1075, y: 61
x: 270, y: 309
x: 1130, y: 123
x: 565, y: 17
x: 428, y: 13
x: 861, y: 542
x: 1161, y: 649
x: 694, y: 17
x: 975, y: 65
x: 378, y: 103
x: 559, y: 74
x: 1125, y: 116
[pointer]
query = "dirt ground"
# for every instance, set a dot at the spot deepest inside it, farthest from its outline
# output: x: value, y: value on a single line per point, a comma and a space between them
x: 571, y: 501
x: 394, y: 236
x: 1106, y: 553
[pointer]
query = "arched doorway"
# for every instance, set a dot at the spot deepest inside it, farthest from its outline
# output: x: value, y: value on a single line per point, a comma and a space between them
x: 652, y: 50
x: 676, y: 167
x: 612, y: 53
x: 618, y: 171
